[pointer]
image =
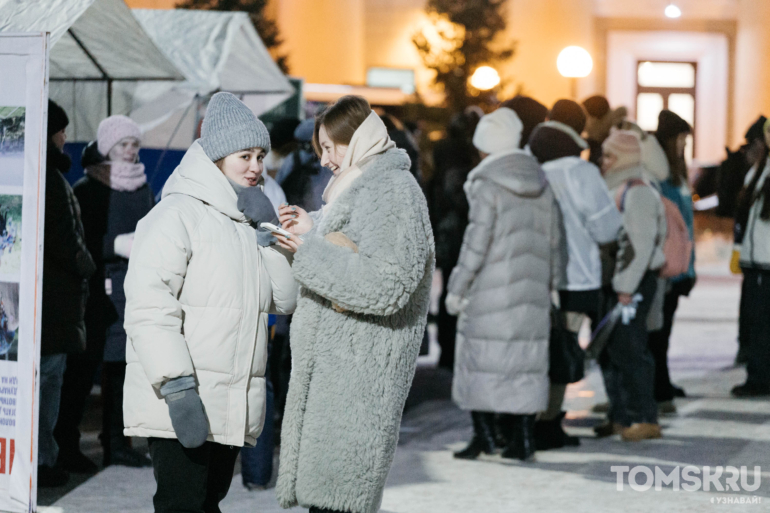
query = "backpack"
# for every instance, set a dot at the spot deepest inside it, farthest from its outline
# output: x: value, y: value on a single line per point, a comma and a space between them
x: 678, y: 246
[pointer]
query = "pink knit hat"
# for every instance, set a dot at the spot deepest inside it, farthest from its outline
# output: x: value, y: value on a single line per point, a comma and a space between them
x: 625, y: 145
x: 113, y: 129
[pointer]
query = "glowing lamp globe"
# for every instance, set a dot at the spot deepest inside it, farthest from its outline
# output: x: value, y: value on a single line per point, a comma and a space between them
x: 485, y: 78
x: 574, y: 62
x: 672, y: 11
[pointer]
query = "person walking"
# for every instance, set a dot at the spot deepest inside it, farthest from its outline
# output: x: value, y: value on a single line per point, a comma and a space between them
x: 511, y: 259
x: 755, y: 264
x: 114, y: 195
x: 591, y: 219
x: 198, y: 292
x: 629, y: 370
x: 672, y: 136
x: 365, y: 265
x: 67, y: 266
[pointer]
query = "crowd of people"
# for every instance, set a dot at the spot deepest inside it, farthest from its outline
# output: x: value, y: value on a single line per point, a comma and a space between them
x: 278, y: 293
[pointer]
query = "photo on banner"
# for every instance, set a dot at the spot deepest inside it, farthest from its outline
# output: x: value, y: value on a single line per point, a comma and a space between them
x: 12, y: 120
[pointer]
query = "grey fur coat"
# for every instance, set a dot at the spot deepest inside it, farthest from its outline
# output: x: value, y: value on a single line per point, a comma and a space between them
x: 513, y: 255
x: 352, y: 371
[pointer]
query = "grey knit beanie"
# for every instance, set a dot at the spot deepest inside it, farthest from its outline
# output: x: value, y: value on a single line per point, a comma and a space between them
x: 230, y: 126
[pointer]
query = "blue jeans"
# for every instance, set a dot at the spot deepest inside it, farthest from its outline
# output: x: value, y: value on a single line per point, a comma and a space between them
x: 257, y: 462
x: 51, y: 378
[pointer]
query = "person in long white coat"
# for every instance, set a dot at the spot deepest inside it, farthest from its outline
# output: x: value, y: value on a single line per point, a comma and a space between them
x: 199, y: 290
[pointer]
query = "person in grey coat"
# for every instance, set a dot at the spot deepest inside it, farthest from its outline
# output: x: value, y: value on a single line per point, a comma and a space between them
x: 365, y: 264
x: 512, y: 256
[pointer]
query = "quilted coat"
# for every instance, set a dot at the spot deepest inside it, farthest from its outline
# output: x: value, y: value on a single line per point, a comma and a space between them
x: 198, y: 294
x: 513, y: 255
x: 352, y: 371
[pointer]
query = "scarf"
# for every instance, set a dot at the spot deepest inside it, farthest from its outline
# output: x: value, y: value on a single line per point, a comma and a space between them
x: 118, y: 176
x: 370, y: 139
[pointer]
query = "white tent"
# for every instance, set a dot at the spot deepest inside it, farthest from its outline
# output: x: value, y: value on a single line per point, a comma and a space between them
x: 99, y: 52
x: 215, y: 51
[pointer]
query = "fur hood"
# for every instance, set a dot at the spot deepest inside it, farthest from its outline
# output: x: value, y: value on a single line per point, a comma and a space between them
x: 515, y: 171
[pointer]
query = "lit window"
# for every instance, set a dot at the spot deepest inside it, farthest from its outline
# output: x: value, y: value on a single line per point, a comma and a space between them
x: 666, y: 74
x: 648, y: 106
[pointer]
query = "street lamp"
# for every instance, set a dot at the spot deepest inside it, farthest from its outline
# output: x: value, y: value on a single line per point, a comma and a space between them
x: 574, y: 62
x: 485, y: 78
x: 672, y: 11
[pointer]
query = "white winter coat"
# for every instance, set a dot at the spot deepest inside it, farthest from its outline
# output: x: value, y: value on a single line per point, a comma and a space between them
x: 198, y: 293
x: 590, y: 218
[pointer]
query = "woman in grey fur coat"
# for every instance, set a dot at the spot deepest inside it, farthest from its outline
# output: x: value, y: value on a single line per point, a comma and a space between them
x: 364, y: 264
x: 511, y: 258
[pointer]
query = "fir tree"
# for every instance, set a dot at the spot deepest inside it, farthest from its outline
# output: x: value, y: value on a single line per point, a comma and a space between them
x: 266, y: 28
x: 464, y: 35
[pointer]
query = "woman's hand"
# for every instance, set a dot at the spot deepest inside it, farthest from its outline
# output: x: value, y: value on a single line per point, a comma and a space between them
x: 294, y: 219
x: 292, y: 244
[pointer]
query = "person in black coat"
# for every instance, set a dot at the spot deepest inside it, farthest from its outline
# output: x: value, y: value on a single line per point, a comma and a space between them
x: 67, y: 266
x: 114, y: 195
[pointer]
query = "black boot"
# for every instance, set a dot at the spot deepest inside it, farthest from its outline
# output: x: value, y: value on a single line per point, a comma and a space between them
x: 483, y: 437
x: 548, y: 434
x: 569, y: 441
x: 521, y: 443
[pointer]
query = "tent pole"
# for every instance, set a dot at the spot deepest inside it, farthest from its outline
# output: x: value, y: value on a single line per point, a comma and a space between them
x: 109, y: 97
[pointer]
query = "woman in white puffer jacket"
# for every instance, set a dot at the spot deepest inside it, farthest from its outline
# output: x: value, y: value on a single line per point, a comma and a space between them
x: 199, y: 290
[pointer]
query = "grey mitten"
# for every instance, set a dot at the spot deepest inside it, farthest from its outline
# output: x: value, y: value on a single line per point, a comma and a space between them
x: 256, y: 206
x: 186, y: 410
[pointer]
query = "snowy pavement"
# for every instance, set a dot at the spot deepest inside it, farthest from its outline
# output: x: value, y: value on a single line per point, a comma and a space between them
x: 711, y: 429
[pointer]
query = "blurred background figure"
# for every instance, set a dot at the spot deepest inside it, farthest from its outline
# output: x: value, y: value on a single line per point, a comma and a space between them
x: 672, y: 135
x: 114, y: 195
x: 755, y: 264
x: 453, y: 159
x: 601, y: 119
x: 67, y: 266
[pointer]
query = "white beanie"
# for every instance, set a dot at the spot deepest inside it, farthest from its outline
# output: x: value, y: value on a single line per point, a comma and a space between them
x: 113, y: 129
x: 499, y: 131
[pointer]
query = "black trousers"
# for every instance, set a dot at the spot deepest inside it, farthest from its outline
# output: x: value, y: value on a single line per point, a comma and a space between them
x: 191, y: 480
x: 76, y: 389
x: 113, y: 378
x: 447, y: 328
x: 757, y: 313
x: 629, y: 369
x: 659, y: 341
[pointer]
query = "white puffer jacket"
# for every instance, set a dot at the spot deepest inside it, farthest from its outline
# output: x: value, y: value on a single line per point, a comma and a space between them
x: 755, y: 250
x: 198, y: 294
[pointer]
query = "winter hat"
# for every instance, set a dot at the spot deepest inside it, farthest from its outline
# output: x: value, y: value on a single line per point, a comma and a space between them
x: 498, y: 132
x: 230, y: 126
x: 304, y: 131
x: 570, y: 113
x: 625, y: 145
x: 113, y: 129
x: 282, y: 132
x: 597, y: 106
x: 531, y: 113
x: 57, y: 118
x: 756, y: 131
x: 670, y: 125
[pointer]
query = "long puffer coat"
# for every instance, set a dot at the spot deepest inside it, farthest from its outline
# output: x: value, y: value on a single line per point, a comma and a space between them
x: 513, y: 255
x: 352, y: 371
x: 198, y: 293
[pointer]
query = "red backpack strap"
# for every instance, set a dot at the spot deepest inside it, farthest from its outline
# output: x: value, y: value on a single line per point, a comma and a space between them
x: 620, y: 198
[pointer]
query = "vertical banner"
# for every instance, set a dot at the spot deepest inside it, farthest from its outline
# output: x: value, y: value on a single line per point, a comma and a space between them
x: 23, y: 121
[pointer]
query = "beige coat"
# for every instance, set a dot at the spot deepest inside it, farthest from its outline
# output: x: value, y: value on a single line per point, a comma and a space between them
x: 198, y: 293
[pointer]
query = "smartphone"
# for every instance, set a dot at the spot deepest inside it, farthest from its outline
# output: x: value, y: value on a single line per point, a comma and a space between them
x: 275, y: 229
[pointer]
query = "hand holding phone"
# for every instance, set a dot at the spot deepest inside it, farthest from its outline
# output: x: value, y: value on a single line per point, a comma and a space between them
x: 275, y: 229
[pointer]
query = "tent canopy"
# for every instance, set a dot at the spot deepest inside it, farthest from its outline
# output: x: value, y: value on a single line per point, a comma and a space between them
x: 96, y: 40
x: 215, y: 51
